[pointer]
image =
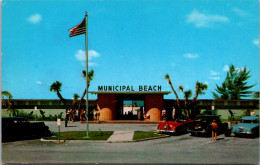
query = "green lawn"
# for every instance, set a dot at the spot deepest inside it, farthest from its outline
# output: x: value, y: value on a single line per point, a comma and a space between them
x: 81, y: 135
x: 139, y: 135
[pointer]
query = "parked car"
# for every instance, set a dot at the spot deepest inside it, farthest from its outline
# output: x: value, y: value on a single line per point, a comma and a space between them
x: 17, y: 128
x: 174, y: 127
x: 202, y: 125
x: 249, y: 125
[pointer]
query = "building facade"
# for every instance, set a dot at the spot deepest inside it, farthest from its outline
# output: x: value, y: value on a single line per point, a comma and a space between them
x: 145, y: 106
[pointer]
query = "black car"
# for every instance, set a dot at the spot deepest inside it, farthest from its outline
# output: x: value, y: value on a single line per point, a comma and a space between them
x: 17, y: 128
x: 202, y: 125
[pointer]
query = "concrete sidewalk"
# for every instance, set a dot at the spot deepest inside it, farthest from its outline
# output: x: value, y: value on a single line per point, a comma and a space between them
x: 122, y: 132
x: 77, y: 126
x: 121, y: 136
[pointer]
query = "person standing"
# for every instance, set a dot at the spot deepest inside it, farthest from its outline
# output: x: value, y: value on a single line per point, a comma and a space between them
x: 214, y: 126
x: 173, y: 113
x: 67, y: 114
x: 163, y: 114
x: 252, y: 113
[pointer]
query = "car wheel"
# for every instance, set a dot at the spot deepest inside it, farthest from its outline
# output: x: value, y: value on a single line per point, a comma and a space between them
x: 192, y: 133
x: 208, y: 131
x: 228, y: 133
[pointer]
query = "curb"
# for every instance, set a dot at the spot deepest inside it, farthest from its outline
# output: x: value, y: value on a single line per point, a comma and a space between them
x: 45, y: 140
x: 160, y: 137
x: 88, y: 141
x: 96, y: 141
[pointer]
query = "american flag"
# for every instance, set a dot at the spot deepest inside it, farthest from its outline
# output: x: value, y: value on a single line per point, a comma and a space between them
x: 79, y: 29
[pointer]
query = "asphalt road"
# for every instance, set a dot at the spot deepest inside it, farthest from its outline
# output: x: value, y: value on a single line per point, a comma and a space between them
x: 174, y: 149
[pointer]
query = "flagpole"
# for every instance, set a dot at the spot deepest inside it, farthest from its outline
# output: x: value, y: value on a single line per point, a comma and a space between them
x: 86, y: 42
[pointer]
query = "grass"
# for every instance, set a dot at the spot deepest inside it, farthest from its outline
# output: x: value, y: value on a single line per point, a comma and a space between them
x: 99, y: 135
x: 81, y: 135
x: 139, y: 135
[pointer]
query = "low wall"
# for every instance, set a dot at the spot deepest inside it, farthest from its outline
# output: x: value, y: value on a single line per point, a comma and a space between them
x: 224, y: 113
x: 37, y: 112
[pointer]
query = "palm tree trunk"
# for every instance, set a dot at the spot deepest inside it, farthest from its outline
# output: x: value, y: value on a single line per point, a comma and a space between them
x: 195, y: 97
x: 187, y: 108
x: 177, y: 98
x: 81, y: 99
x: 178, y: 108
x: 64, y: 101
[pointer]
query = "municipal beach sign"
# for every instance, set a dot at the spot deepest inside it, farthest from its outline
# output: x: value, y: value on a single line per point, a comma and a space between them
x: 127, y: 88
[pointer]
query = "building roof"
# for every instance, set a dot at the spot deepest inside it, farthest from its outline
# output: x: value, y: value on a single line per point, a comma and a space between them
x: 131, y: 92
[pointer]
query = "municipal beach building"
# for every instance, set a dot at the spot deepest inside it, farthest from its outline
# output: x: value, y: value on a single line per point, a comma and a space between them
x: 145, y: 103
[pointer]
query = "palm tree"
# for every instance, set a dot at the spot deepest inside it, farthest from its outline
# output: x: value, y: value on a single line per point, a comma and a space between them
x: 190, y: 108
x: 187, y: 95
x: 75, y: 99
x: 90, y: 78
x: 56, y: 87
x: 235, y: 85
x: 178, y: 107
x: 167, y: 77
x: 200, y: 87
x: 256, y: 95
x: 6, y: 98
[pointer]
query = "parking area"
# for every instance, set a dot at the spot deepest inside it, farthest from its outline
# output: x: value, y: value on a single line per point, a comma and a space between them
x: 175, y: 149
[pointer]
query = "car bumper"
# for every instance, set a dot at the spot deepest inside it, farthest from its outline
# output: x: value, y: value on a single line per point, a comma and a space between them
x: 243, y: 133
x: 196, y: 131
x: 166, y: 131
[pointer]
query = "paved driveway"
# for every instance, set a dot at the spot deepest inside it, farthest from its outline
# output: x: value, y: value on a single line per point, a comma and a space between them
x: 174, y: 150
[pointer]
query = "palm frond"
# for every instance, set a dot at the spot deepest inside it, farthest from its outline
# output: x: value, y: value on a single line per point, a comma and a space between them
x: 7, y: 94
x: 180, y: 88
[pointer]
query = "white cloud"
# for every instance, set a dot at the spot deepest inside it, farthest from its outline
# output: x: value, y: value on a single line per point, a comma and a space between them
x: 204, y: 20
x: 256, y: 42
x: 240, y: 69
x: 38, y: 82
x: 214, y: 78
x: 81, y: 55
x: 35, y: 18
x: 226, y: 68
x: 92, y: 64
x: 213, y: 73
x: 239, y: 12
x: 189, y: 55
x: 92, y: 54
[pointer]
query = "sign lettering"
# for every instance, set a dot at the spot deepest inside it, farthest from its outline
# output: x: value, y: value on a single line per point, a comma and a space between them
x: 125, y: 88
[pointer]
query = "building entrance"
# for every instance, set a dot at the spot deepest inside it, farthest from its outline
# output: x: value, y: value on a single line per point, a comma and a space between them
x: 132, y: 110
x: 130, y: 105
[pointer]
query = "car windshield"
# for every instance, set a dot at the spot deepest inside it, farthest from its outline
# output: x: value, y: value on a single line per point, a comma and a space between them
x: 249, y: 121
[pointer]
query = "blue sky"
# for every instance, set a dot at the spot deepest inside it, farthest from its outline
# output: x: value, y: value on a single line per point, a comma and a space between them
x: 130, y: 42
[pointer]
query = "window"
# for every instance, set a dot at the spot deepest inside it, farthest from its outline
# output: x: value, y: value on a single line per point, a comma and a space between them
x: 44, y: 102
x: 56, y: 102
x: 32, y: 102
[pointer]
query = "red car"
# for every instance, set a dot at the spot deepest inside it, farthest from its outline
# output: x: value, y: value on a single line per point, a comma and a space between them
x: 179, y: 126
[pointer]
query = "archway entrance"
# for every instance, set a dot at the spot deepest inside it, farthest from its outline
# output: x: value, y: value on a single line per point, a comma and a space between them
x: 132, y: 110
x: 130, y: 105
